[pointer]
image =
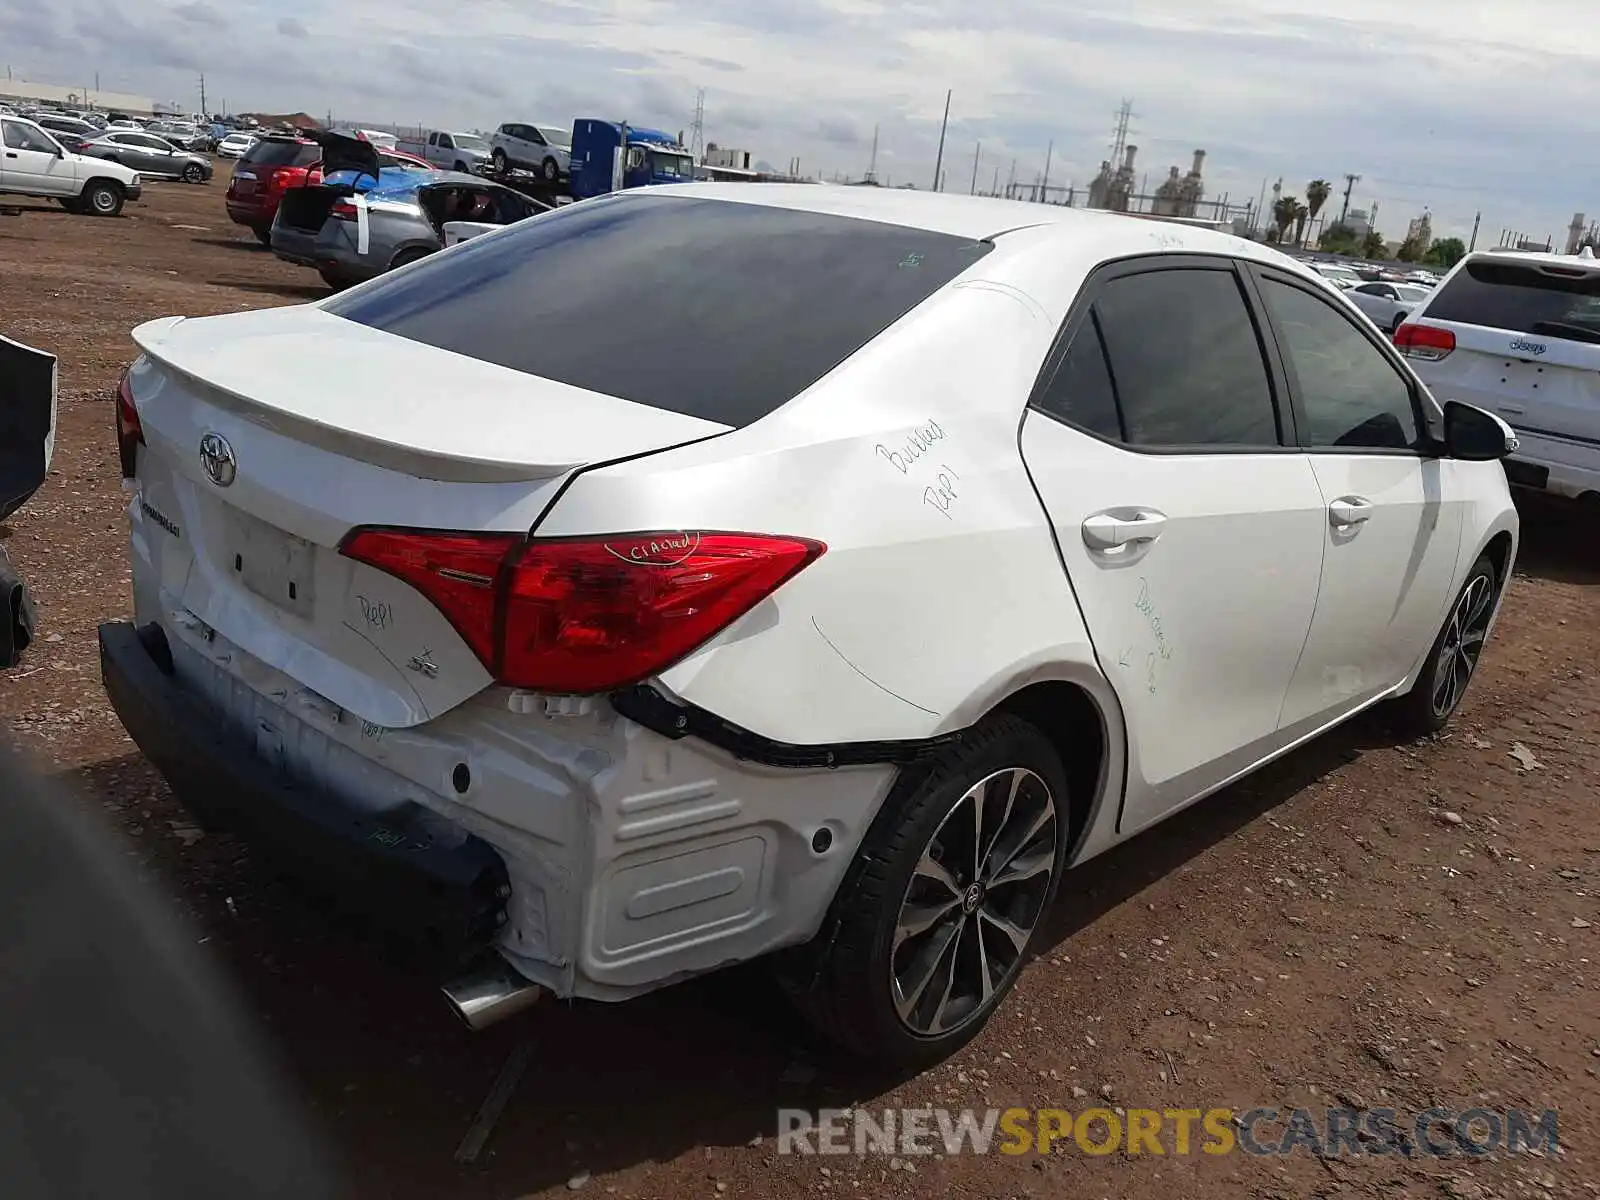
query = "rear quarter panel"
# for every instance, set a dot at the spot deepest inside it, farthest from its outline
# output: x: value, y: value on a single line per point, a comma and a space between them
x: 941, y: 591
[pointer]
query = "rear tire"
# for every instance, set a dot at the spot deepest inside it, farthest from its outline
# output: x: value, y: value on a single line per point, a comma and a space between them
x: 1442, y: 682
x: 550, y: 169
x: 406, y: 257
x: 498, y: 158
x: 936, y: 915
x: 194, y: 173
x: 334, y: 280
x: 102, y: 198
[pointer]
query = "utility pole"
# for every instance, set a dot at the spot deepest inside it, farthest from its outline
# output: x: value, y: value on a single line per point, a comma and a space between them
x: 938, y: 165
x: 1011, y: 180
x: 1473, y: 245
x: 872, y: 164
x: 1350, y: 182
x: 994, y: 187
x: 204, y: 111
x: 973, y: 190
x: 1044, y: 180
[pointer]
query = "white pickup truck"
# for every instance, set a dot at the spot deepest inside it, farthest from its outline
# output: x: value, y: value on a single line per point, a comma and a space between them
x: 450, y: 151
x: 33, y: 163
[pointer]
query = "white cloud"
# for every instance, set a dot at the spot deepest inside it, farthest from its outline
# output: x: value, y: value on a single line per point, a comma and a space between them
x: 1460, y: 107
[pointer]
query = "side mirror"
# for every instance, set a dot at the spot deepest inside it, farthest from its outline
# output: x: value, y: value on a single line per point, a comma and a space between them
x: 1474, y: 435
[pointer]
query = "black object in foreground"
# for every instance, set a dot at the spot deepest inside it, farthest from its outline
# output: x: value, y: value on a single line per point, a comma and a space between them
x: 127, y: 1068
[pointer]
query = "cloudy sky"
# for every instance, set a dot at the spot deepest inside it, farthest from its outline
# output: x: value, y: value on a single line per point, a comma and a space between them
x: 1459, y: 105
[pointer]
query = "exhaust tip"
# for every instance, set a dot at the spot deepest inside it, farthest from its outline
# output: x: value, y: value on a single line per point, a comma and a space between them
x: 489, y: 994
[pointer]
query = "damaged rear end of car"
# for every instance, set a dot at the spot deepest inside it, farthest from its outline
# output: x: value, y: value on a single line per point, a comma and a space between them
x: 405, y: 650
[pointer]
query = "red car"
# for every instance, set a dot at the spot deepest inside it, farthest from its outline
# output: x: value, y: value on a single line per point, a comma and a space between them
x: 274, y: 165
x: 268, y: 169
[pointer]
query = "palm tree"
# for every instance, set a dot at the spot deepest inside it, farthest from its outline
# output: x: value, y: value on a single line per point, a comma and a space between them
x: 1301, y: 213
x: 1283, y: 210
x: 1317, y: 193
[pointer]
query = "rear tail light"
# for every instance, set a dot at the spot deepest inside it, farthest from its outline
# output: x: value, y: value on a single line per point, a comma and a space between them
x: 342, y: 210
x: 283, y: 178
x: 130, y: 434
x: 1426, y: 342
x: 585, y: 615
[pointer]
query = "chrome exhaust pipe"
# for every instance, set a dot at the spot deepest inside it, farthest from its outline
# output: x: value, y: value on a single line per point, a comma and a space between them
x: 490, y: 994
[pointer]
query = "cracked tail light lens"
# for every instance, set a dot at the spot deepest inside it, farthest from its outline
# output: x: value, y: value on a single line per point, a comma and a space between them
x: 586, y: 615
x: 130, y: 434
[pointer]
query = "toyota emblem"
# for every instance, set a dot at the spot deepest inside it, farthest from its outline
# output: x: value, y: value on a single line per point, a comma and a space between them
x: 216, y: 456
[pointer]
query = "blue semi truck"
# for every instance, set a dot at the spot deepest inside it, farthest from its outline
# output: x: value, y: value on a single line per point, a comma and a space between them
x: 608, y: 156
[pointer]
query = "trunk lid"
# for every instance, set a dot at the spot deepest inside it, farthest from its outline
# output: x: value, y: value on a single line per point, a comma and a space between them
x: 343, y: 153
x: 1527, y: 343
x: 270, y: 435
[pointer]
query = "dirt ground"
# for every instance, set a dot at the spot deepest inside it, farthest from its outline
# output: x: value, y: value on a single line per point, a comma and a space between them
x: 1363, y: 923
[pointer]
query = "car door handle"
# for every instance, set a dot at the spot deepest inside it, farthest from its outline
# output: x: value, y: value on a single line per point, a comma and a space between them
x: 1124, y: 527
x: 1514, y: 410
x: 1348, y: 511
x: 11, y: 153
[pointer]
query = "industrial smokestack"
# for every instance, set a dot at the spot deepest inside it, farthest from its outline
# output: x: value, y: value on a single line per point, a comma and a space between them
x: 1127, y: 161
x: 1199, y: 161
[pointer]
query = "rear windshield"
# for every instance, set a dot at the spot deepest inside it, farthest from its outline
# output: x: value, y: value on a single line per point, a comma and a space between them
x: 1522, y: 298
x: 716, y: 310
x: 275, y: 153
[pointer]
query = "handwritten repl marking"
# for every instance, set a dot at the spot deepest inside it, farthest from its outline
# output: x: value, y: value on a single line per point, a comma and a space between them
x: 373, y: 733
x: 922, y: 439
x: 1127, y: 658
x: 379, y: 614
x: 1150, y: 673
x: 1147, y: 609
x: 941, y: 498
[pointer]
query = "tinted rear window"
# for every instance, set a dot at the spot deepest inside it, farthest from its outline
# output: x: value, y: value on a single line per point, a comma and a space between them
x: 1523, y: 299
x: 283, y: 154
x: 716, y: 310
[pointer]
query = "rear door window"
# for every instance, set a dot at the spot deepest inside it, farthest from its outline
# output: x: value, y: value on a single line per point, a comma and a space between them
x: 1186, y: 360
x: 710, y: 308
x: 1549, y: 301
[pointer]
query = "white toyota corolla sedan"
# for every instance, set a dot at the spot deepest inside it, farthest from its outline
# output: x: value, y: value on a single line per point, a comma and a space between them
x: 718, y: 571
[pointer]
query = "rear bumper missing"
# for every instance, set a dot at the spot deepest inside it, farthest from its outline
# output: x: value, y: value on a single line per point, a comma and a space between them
x: 444, y: 894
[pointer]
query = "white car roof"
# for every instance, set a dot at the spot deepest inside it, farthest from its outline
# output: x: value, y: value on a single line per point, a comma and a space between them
x: 976, y: 217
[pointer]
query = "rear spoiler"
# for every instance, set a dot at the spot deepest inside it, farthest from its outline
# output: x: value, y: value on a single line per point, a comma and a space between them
x: 27, y: 422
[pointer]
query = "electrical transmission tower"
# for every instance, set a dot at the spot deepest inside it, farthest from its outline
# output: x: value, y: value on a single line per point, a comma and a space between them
x: 697, y: 131
x: 1119, y: 143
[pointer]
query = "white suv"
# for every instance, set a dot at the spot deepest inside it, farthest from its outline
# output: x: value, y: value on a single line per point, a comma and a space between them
x: 33, y: 163
x: 1518, y: 333
x: 995, y: 534
x: 546, y: 149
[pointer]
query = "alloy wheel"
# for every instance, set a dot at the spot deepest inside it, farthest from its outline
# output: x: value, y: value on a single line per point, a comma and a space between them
x: 1463, y: 643
x: 974, y: 899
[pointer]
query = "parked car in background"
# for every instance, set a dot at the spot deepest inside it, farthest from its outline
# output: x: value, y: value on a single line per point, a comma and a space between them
x: 498, y: 602
x: 151, y: 156
x: 1339, y: 276
x: 266, y: 171
x: 367, y: 217
x: 34, y: 163
x: 466, y: 152
x: 236, y: 145
x: 1388, y: 304
x: 546, y: 149
x: 66, y: 127
x: 1518, y: 333
x: 127, y: 124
